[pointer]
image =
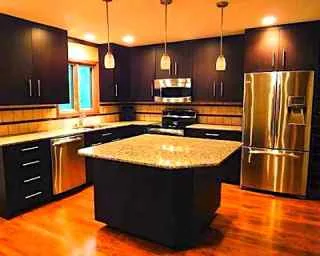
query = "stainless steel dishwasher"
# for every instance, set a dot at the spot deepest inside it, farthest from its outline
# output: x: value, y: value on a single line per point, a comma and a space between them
x: 68, y: 168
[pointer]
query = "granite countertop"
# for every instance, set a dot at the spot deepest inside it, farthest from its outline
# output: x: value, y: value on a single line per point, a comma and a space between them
x: 9, y: 140
x: 216, y: 127
x: 167, y: 152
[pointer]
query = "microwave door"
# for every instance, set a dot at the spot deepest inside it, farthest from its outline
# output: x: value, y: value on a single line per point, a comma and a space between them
x: 259, y: 107
x: 294, y: 110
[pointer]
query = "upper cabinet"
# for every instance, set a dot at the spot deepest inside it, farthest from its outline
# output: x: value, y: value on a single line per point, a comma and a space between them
x: 33, y: 69
x: 181, y: 60
x: 142, y: 73
x: 114, y: 83
x: 212, y: 85
x: 287, y: 47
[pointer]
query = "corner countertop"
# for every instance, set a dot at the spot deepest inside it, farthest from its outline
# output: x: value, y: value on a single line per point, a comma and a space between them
x: 9, y: 140
x: 166, y: 152
x: 235, y: 128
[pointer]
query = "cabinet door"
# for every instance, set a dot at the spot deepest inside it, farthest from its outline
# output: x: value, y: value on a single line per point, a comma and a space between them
x: 230, y: 87
x: 142, y: 73
x: 107, y: 76
x: 261, y: 50
x: 122, y: 83
x: 181, y: 61
x: 50, y: 65
x: 16, y: 61
x: 298, y: 47
x: 205, y: 77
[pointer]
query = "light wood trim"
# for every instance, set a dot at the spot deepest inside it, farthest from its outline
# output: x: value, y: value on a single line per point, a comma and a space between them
x: 95, y: 90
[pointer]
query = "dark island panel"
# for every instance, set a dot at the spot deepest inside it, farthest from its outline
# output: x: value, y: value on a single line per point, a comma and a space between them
x: 168, y: 207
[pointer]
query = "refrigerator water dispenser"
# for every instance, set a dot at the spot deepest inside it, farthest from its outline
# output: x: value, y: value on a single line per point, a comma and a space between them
x: 296, y: 110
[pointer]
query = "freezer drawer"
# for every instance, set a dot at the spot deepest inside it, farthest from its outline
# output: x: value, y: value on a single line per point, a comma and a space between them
x: 275, y: 170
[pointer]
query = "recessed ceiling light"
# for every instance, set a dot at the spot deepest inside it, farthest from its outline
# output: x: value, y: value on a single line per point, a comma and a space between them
x: 268, y: 20
x: 128, y: 39
x: 89, y: 37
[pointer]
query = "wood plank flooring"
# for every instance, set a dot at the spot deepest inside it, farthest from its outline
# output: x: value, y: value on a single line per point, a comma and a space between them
x: 247, y: 223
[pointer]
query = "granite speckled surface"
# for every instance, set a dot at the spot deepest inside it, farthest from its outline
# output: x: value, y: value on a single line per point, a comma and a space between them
x: 9, y: 140
x: 167, y: 152
x: 216, y: 127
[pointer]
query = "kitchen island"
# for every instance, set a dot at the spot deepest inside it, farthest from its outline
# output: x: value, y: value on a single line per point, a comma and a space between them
x: 162, y: 188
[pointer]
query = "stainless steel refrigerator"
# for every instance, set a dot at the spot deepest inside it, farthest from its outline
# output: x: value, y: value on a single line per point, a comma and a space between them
x: 276, y: 131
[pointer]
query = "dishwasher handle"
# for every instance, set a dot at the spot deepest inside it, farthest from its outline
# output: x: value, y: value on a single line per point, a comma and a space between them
x: 62, y: 141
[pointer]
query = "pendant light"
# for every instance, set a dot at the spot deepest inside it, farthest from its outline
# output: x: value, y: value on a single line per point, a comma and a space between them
x: 109, y: 62
x: 221, y: 63
x: 165, y: 63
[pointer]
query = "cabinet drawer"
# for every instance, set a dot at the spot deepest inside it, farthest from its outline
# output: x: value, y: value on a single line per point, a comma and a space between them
x: 28, y: 151
x: 214, y: 134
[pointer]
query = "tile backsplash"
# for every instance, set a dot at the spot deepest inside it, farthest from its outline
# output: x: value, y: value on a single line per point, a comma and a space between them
x: 26, y: 120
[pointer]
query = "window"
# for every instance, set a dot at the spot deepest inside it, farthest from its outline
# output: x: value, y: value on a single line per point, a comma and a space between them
x: 81, y: 90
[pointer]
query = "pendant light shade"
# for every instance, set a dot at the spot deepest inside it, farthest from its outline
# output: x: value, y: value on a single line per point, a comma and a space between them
x: 109, y: 62
x: 221, y: 63
x: 165, y: 62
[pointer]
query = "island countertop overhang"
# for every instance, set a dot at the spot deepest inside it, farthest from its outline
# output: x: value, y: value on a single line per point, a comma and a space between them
x: 165, y: 152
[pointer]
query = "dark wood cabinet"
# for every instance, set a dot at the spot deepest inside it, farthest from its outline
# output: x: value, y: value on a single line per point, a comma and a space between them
x: 142, y: 73
x: 25, y: 176
x: 282, y: 48
x: 34, y: 57
x: 212, y: 85
x: 16, y: 61
x: 114, y: 83
x: 50, y: 65
x: 181, y: 60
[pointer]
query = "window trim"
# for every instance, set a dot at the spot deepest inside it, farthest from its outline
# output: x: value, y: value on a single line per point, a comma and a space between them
x: 95, y: 91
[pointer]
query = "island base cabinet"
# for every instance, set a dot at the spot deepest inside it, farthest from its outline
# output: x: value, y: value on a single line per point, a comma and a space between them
x: 170, y: 207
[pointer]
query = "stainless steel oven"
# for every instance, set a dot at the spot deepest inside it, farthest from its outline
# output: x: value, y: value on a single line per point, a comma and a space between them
x: 176, y: 90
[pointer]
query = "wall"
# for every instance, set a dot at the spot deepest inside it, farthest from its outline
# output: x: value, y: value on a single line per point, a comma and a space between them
x: 208, y: 113
x: 26, y: 119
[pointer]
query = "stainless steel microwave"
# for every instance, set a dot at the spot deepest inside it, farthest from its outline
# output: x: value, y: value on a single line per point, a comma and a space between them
x: 177, y: 90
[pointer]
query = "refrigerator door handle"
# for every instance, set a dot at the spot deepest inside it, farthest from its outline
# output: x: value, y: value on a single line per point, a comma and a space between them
x: 271, y: 153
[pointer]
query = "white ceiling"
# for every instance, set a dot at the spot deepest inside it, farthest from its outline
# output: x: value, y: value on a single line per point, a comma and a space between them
x: 188, y: 19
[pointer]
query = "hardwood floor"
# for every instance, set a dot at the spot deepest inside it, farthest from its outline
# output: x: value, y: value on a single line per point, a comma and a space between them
x: 247, y: 224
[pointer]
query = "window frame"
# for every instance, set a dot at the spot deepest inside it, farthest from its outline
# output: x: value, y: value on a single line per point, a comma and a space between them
x: 95, y: 91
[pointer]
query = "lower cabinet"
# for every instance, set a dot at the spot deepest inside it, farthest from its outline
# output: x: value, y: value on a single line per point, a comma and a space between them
x: 232, y: 173
x: 108, y: 135
x: 25, y: 176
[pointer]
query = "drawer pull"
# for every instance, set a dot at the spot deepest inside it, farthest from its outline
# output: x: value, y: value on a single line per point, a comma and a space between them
x: 31, y: 163
x: 213, y: 134
x: 29, y: 149
x: 96, y: 144
x: 33, y: 195
x: 106, y: 134
x: 32, y: 179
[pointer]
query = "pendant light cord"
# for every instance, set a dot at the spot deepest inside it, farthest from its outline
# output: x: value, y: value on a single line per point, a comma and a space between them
x: 166, y: 27
x: 221, y: 31
x: 108, y: 29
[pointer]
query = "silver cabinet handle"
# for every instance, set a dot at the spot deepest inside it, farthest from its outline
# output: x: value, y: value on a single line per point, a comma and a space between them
x: 96, y: 144
x: 116, y: 85
x: 29, y: 149
x: 213, y: 134
x: 39, y: 88
x: 284, y: 58
x: 30, y: 87
x: 273, y: 59
x: 106, y: 134
x: 221, y: 88
x: 214, y: 89
x: 33, y: 195
x: 31, y: 163
x: 175, y: 68
x: 32, y: 179
x: 152, y: 92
